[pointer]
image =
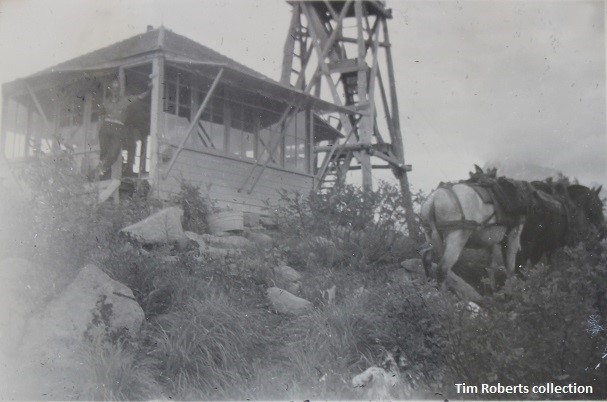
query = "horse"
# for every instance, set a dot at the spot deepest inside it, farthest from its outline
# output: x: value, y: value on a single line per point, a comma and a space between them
x: 457, y: 216
x: 561, y: 215
x: 588, y: 201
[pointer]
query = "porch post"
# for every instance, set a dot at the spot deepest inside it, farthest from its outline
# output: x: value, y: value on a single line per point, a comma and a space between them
x: 4, y: 125
x: 156, y: 118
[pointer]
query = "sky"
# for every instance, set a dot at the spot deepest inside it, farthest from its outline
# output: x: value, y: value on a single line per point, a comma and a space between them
x: 515, y: 83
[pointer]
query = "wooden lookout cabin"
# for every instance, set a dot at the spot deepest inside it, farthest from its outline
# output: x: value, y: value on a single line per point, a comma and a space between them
x: 237, y: 134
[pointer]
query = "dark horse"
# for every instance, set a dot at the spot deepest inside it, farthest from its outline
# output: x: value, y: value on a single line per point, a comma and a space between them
x: 560, y: 215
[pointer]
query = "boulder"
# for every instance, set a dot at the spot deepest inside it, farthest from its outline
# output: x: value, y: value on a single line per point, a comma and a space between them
x: 261, y: 239
x: 24, y: 289
x: 284, y: 302
x: 55, y: 359
x: 163, y: 227
x: 287, y: 278
x: 413, y: 265
x: 286, y: 273
x: 92, y: 307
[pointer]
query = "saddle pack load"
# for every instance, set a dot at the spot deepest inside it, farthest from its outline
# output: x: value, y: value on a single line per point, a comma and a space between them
x: 511, y: 199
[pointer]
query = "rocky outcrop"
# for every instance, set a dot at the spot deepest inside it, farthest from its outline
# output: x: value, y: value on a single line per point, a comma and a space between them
x: 24, y: 289
x: 284, y: 302
x: 50, y: 362
x: 93, y: 306
x: 163, y: 227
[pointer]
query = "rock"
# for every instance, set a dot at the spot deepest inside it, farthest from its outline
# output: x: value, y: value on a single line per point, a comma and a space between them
x: 375, y: 383
x: 24, y: 289
x: 260, y: 239
x: 286, y: 273
x: 319, y: 241
x: 227, y: 242
x: 287, y: 278
x: 63, y: 339
x: 222, y: 242
x: 250, y: 219
x: 218, y: 253
x: 293, y: 287
x: 92, y: 307
x: 218, y: 247
x: 163, y: 227
x: 284, y: 302
x: 413, y: 265
x: 473, y: 308
x: 462, y: 289
x: 268, y: 222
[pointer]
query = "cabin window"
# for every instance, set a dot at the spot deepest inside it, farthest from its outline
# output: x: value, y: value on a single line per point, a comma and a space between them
x: 269, y: 134
x: 210, y: 126
x: 296, y: 143
x: 177, y: 94
x: 243, y: 131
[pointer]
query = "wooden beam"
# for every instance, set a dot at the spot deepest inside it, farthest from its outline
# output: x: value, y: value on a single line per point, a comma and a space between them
x: 365, y: 133
x: 194, y: 122
x: 358, y: 167
x: 3, y: 129
x: 39, y: 107
x: 331, y: 152
x: 289, y: 46
x: 321, y: 55
x: 87, y: 115
x: 156, y: 119
x: 397, y: 145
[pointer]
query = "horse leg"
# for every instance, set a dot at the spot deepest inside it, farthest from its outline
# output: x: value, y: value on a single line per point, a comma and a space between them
x: 453, y: 245
x: 511, y: 246
x: 434, y: 248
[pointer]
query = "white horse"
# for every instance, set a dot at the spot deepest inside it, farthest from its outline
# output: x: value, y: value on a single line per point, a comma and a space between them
x: 455, y: 217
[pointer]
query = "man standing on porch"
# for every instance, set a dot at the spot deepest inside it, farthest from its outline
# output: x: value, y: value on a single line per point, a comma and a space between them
x: 113, y: 130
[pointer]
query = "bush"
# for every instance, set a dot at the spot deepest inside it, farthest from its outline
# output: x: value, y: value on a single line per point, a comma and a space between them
x: 195, y: 209
x: 532, y: 331
x: 348, y: 227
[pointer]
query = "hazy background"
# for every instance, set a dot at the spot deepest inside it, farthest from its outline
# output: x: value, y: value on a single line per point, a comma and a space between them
x: 520, y: 84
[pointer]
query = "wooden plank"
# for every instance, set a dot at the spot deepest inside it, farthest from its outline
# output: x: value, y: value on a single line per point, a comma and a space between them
x: 105, y: 193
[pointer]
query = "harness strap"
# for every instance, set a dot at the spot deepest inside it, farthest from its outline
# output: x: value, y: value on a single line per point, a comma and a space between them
x: 463, y: 223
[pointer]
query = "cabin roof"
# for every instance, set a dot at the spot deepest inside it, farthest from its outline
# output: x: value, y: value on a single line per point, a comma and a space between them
x: 180, y: 50
x: 159, y: 39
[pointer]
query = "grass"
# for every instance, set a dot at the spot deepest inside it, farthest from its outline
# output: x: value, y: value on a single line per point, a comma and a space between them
x: 210, y: 335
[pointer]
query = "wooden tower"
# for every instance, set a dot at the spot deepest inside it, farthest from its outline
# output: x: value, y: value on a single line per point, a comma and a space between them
x: 340, y: 51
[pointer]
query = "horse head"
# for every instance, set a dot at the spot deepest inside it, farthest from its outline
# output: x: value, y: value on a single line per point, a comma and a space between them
x: 590, y: 205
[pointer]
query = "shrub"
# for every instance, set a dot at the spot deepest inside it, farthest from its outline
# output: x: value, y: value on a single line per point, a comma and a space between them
x: 363, y: 228
x: 195, y: 209
x: 533, y: 331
